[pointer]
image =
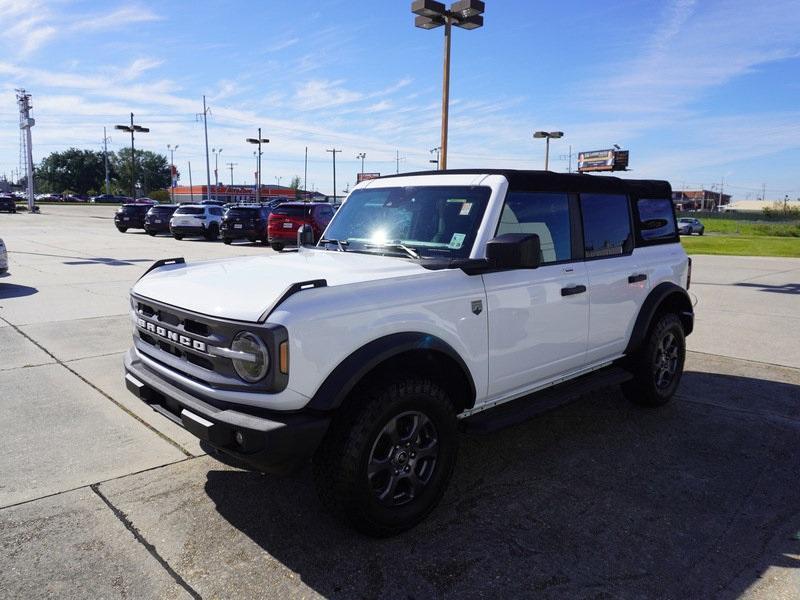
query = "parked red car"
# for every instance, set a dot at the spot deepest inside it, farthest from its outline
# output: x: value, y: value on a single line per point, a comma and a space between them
x: 287, y: 218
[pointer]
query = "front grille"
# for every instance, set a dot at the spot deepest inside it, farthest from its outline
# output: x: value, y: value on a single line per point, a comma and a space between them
x: 179, y: 340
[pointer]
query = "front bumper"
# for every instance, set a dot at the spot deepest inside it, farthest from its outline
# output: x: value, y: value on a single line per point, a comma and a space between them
x: 272, y: 442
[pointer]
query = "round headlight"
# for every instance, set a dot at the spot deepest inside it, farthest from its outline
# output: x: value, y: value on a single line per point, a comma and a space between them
x: 254, y: 367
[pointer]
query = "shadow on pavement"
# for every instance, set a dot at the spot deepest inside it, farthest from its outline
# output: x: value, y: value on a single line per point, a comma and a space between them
x: 12, y: 290
x: 596, y: 499
x: 786, y: 288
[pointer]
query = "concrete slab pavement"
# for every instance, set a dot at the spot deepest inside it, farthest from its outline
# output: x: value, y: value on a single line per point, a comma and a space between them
x: 18, y: 351
x: 57, y: 433
x: 82, y: 338
x: 96, y: 557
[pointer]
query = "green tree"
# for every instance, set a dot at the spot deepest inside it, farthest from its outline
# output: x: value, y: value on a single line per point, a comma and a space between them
x: 152, y: 171
x: 295, y: 185
x: 72, y: 169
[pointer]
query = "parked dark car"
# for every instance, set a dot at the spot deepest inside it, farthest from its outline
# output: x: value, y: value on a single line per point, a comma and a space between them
x: 245, y: 221
x: 213, y: 202
x: 157, y: 218
x: 111, y: 199
x: 690, y: 225
x: 8, y: 204
x: 287, y: 218
x: 131, y: 216
x: 76, y: 198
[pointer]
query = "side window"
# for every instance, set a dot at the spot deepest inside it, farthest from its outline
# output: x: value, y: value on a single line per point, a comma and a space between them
x: 544, y: 213
x: 656, y: 220
x: 606, y: 225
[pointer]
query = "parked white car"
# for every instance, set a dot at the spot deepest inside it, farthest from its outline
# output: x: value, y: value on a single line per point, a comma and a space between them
x: 196, y: 220
x: 434, y: 302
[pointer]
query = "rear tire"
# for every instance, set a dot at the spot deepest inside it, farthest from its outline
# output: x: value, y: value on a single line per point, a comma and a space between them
x: 701, y: 232
x: 151, y: 233
x: 122, y: 229
x: 388, y: 457
x: 658, y: 366
x: 227, y: 241
x: 212, y: 232
x: 277, y: 247
x: 177, y: 236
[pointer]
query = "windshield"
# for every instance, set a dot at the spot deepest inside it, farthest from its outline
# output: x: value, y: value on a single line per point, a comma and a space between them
x: 190, y: 210
x: 435, y: 221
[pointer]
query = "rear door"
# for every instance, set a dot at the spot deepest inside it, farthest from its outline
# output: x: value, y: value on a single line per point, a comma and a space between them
x: 618, y: 283
x: 538, y: 318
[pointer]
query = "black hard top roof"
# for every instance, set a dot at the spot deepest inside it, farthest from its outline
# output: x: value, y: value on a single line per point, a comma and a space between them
x: 548, y: 181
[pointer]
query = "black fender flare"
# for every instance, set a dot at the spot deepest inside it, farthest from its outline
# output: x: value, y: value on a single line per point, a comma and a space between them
x: 341, y: 381
x: 663, y: 292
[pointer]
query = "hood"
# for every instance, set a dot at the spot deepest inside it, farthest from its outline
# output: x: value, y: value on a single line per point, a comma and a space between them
x: 244, y: 288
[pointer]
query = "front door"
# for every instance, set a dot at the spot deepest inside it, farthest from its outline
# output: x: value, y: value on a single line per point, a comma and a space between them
x: 538, y: 318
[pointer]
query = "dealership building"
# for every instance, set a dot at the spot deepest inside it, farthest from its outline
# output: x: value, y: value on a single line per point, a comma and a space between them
x: 699, y: 199
x: 241, y: 193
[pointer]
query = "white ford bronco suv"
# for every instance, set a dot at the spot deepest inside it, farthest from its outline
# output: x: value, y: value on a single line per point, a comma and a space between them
x: 434, y: 303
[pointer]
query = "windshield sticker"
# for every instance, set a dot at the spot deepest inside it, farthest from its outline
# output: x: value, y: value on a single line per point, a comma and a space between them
x: 465, y: 208
x: 456, y: 241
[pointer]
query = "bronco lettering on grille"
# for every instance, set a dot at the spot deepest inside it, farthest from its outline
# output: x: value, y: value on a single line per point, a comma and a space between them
x: 172, y: 336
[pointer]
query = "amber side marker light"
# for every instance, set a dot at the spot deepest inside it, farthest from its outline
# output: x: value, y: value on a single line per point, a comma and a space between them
x: 283, y: 357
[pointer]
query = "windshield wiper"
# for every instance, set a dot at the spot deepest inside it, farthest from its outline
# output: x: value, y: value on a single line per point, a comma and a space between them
x: 410, y: 251
x: 340, y: 244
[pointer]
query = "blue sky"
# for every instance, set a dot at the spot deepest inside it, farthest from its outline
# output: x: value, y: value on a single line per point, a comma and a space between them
x: 700, y: 92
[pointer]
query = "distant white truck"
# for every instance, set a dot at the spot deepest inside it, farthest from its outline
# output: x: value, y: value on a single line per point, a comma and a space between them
x: 433, y: 302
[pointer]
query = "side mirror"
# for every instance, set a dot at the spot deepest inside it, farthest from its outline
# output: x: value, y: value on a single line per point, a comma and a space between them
x: 514, y: 251
x: 305, y: 236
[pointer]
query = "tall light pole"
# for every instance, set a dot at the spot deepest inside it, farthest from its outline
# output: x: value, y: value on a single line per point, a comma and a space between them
x: 205, y: 112
x: 362, y: 156
x: 172, y: 149
x: 305, y: 172
x: 259, y: 140
x: 217, y: 152
x: 106, y: 139
x: 435, y: 151
x: 132, y: 128
x: 466, y: 14
x: 334, y: 151
x: 547, y: 135
x: 230, y: 166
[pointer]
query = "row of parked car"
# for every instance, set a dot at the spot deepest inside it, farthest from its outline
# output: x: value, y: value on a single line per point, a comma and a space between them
x: 273, y: 223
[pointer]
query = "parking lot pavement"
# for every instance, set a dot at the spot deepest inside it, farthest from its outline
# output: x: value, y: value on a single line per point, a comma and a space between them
x: 596, y: 499
x: 747, y: 307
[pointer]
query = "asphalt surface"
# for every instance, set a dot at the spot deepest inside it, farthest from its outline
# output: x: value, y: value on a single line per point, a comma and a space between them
x: 102, y: 497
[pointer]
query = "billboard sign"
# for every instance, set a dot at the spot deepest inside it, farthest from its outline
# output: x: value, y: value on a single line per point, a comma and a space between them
x: 603, y: 160
x: 365, y: 176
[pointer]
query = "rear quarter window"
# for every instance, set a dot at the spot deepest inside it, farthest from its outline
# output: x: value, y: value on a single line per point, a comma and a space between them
x: 655, y: 221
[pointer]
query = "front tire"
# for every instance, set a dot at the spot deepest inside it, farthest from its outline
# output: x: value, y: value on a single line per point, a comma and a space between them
x: 277, y: 247
x: 227, y: 241
x: 212, y: 232
x: 177, y: 236
x: 386, y: 461
x: 658, y: 367
x: 122, y: 229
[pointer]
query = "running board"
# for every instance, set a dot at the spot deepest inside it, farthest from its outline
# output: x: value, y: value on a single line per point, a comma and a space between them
x: 520, y: 410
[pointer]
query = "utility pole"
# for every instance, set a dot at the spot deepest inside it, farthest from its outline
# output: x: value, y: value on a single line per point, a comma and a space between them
x: 106, y: 139
x: 763, y: 192
x: 230, y: 166
x: 567, y: 157
x: 172, y: 170
x: 208, y: 162
x: 191, y: 187
x: 25, y: 124
x: 305, y: 172
x: 132, y: 128
x: 721, y: 187
x: 334, y: 151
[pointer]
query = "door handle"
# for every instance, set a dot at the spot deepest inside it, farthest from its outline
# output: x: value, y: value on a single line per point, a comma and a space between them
x: 571, y: 291
x: 637, y: 278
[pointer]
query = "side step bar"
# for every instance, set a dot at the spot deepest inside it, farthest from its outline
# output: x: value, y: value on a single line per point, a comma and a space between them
x: 520, y: 410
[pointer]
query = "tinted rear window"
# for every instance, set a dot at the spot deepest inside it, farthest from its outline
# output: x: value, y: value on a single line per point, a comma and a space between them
x: 130, y: 208
x: 291, y: 211
x: 242, y: 211
x: 190, y: 210
x: 656, y: 221
x: 162, y: 210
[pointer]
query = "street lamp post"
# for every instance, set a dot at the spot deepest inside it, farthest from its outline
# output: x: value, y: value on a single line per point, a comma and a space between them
x: 466, y: 14
x: 131, y: 129
x: 362, y: 156
x: 216, y: 152
x: 259, y: 140
x: 172, y: 171
x: 547, y: 135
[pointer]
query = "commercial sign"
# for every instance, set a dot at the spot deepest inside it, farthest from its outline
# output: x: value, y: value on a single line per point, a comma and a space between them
x: 603, y: 160
x: 364, y: 176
